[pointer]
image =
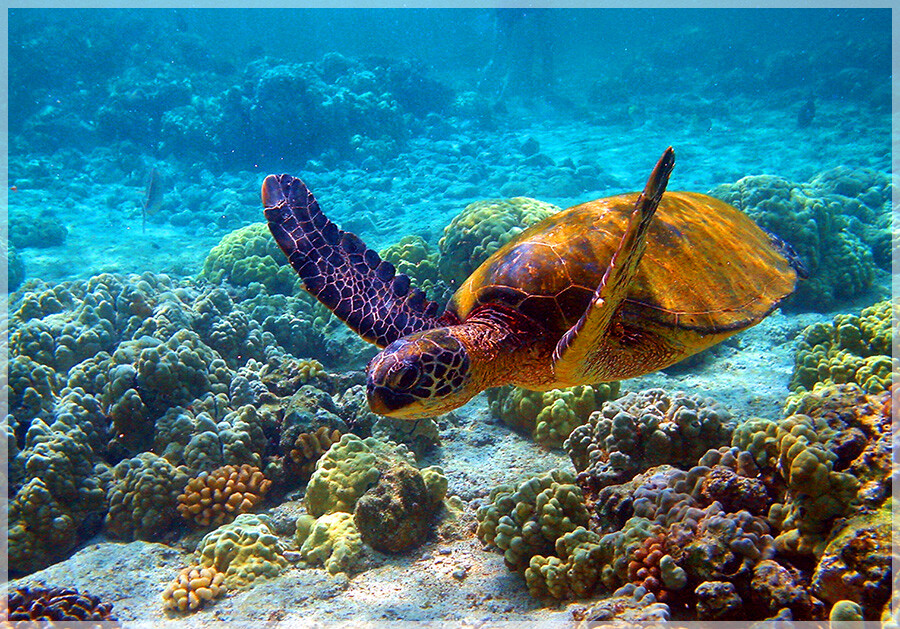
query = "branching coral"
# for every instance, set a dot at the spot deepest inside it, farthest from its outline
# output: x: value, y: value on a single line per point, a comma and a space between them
x: 39, y: 604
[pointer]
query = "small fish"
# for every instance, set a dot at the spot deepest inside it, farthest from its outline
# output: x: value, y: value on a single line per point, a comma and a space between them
x: 806, y: 114
x: 152, y: 199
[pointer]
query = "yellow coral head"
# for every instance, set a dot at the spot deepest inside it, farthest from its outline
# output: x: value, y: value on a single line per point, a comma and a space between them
x: 421, y: 375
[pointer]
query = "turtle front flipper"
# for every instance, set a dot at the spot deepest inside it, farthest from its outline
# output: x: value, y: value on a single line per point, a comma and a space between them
x: 359, y: 287
x: 581, y: 353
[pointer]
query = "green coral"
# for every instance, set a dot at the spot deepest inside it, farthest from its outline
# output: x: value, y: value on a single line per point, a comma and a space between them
x: 58, y: 493
x: 834, y: 234
x: 248, y: 255
x: 331, y: 540
x: 853, y: 348
x: 527, y: 519
x: 413, y: 256
x: 244, y: 550
x: 143, y: 497
x: 549, y: 416
x: 575, y: 570
x: 482, y: 228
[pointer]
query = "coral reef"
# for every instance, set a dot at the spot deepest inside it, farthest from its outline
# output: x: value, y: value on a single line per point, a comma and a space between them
x: 527, y: 519
x: 393, y: 503
x: 309, y: 448
x: 40, y: 604
x: 413, y: 256
x: 854, y: 348
x: 640, y: 430
x: 482, y: 228
x: 193, y: 588
x: 214, y: 498
x: 836, y: 223
x: 331, y: 540
x: 549, y: 416
x: 143, y: 497
x: 244, y: 550
x: 15, y: 266
x: 44, y: 230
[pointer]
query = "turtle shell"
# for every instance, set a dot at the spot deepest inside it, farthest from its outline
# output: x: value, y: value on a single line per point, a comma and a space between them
x: 707, y: 268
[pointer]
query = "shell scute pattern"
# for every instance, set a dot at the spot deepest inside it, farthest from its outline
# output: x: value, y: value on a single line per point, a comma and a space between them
x: 687, y: 282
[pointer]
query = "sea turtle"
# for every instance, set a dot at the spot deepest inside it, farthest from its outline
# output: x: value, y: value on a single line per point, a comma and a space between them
x: 602, y: 291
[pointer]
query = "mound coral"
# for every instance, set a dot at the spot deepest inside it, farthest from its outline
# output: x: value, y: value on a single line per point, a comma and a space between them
x: 837, y: 223
x: 527, y: 519
x: 39, y: 604
x: 549, y: 416
x: 392, y: 502
x: 482, y: 228
x: 214, y: 498
x: 250, y: 254
x: 143, y: 497
x: 854, y: 348
x: 413, y: 256
x: 640, y: 430
x: 193, y: 587
x: 331, y: 540
x: 244, y: 550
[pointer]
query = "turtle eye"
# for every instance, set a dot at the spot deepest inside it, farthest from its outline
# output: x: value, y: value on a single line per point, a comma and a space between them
x: 405, y: 377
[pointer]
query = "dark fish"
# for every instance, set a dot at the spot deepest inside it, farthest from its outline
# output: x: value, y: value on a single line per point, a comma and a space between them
x: 806, y: 114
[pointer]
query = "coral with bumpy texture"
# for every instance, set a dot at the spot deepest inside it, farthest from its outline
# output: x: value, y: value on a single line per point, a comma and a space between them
x: 39, y: 604
x: 331, y: 540
x: 396, y: 514
x: 217, y: 497
x: 58, y: 495
x: 143, y: 497
x: 413, y: 256
x: 836, y: 247
x: 549, y: 416
x: 575, y: 570
x: 856, y: 563
x: 244, y: 550
x: 640, y: 430
x: 527, y: 519
x: 250, y: 254
x: 482, y: 228
x: 348, y: 470
x: 309, y: 448
x: 854, y: 348
x: 193, y: 588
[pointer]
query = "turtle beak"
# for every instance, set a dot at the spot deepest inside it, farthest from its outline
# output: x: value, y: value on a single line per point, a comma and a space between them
x: 384, y: 401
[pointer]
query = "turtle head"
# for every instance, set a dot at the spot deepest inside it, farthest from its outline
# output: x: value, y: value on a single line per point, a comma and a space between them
x: 421, y: 375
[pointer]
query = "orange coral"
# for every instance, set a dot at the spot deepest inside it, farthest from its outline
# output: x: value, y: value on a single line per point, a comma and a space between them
x: 214, y: 498
x: 193, y: 587
x: 310, y: 446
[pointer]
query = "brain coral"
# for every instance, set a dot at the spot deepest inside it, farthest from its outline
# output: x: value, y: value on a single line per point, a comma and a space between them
x: 854, y: 348
x: 640, y: 430
x: 217, y: 497
x: 482, y: 228
x: 243, y: 551
x: 549, y: 416
x: 827, y: 228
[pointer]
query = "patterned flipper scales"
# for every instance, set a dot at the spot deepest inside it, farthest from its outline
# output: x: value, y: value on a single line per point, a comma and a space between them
x: 359, y: 287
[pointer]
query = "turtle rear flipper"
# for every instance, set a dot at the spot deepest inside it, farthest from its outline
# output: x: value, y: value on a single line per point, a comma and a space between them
x: 579, y: 354
x: 360, y: 288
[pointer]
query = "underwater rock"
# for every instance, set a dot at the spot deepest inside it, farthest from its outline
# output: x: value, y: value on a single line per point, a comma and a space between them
x: 718, y: 600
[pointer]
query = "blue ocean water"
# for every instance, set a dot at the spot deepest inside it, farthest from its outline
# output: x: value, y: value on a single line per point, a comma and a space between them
x: 156, y: 332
